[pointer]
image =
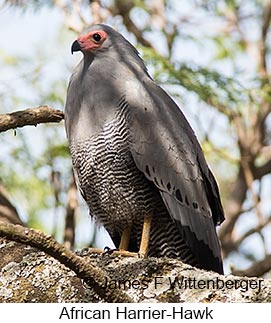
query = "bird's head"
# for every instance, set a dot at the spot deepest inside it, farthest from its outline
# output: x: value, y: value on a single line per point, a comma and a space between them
x: 90, y: 42
x: 103, y: 41
x: 94, y: 39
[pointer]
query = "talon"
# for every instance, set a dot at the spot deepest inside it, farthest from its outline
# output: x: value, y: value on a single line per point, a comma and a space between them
x: 141, y: 255
x: 109, y: 251
x: 125, y: 253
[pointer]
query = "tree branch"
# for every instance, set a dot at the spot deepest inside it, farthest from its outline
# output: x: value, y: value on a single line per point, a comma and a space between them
x: 256, y: 270
x: 263, y: 170
x: 257, y: 229
x: 94, y: 277
x: 234, y: 209
x: 27, y: 275
x: 123, y: 8
x: 29, y: 117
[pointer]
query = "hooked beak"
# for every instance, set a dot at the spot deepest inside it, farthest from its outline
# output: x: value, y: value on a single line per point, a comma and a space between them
x: 75, y: 47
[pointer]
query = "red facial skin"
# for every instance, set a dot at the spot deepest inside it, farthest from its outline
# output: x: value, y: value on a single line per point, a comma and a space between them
x: 88, y: 43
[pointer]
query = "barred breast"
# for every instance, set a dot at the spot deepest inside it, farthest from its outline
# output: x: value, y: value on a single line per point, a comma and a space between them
x: 119, y: 195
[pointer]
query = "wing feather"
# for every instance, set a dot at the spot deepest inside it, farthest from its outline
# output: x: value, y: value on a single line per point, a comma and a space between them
x: 166, y: 150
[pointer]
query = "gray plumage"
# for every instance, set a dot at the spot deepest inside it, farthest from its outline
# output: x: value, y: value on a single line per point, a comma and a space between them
x: 134, y: 152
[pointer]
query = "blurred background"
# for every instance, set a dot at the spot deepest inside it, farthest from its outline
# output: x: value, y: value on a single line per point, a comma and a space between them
x: 213, y: 57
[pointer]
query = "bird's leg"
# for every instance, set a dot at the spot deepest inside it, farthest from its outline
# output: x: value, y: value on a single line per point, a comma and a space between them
x: 125, y: 238
x: 124, y: 244
x: 122, y: 250
x: 145, y: 237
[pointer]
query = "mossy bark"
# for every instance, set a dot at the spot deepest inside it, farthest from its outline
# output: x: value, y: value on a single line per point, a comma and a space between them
x: 30, y: 275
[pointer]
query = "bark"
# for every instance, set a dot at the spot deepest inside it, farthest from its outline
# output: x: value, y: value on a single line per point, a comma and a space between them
x: 29, y: 117
x: 84, y: 270
x: 30, y: 275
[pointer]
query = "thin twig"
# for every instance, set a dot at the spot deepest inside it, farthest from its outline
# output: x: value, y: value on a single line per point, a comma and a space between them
x: 257, y: 229
x: 263, y: 170
x: 256, y: 270
x: 123, y: 8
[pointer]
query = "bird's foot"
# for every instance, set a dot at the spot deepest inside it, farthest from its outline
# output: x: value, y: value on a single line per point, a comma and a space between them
x: 109, y: 251
x: 142, y: 254
x: 126, y: 253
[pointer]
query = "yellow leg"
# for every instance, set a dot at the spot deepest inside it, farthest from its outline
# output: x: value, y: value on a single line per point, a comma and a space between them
x: 145, y: 238
x: 144, y: 244
x: 124, y: 244
x: 125, y: 238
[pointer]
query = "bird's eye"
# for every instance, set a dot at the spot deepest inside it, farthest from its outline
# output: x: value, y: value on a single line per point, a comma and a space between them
x: 97, y: 37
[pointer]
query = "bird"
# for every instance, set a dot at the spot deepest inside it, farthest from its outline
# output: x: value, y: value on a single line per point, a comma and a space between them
x: 136, y: 160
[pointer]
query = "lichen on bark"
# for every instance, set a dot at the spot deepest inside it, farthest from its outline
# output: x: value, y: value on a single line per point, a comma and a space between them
x: 30, y: 275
